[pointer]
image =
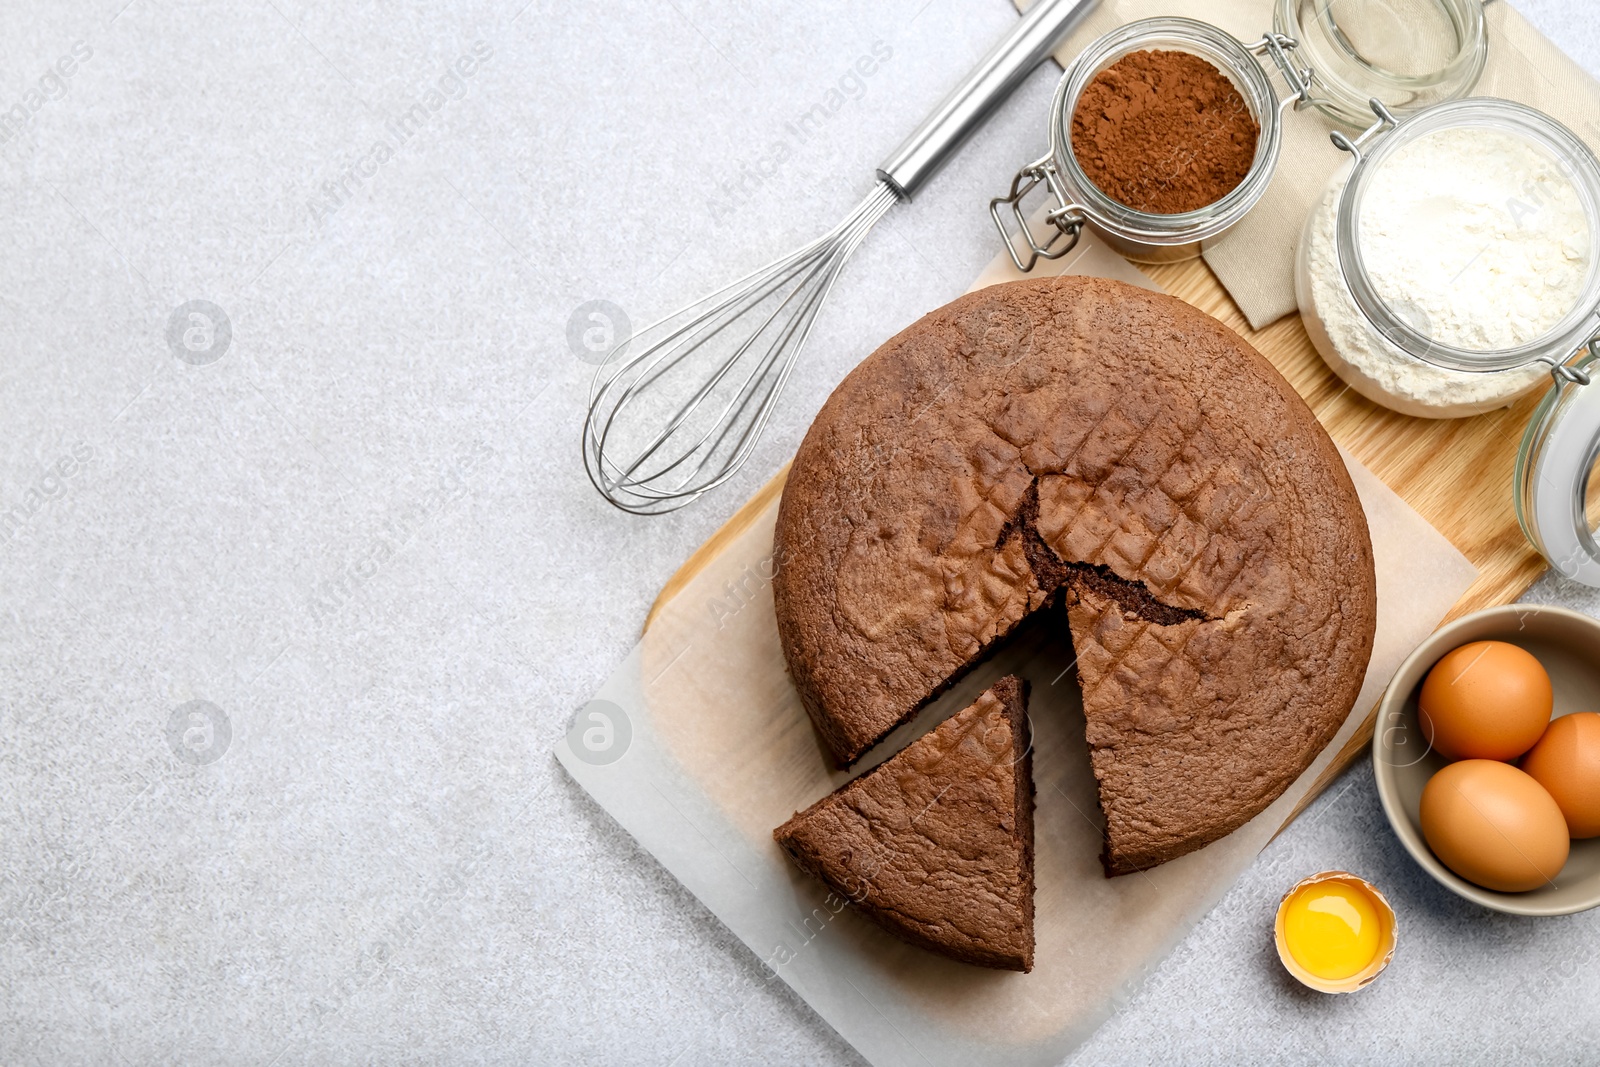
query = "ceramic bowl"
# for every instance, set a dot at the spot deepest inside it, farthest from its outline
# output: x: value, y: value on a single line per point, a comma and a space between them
x: 1568, y: 644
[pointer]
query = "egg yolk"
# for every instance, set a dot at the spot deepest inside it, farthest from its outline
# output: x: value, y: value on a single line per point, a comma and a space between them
x: 1331, y: 929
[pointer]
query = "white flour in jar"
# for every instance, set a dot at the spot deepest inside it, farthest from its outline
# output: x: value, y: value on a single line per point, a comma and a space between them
x: 1475, y: 237
x: 1438, y: 252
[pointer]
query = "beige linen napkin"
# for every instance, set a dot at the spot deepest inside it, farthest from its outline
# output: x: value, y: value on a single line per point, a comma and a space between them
x: 1256, y: 260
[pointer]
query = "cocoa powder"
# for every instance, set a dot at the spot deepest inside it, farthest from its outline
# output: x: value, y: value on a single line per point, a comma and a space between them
x: 1163, y: 132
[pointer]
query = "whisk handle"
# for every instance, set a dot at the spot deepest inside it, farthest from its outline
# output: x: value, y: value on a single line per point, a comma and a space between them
x: 1028, y: 44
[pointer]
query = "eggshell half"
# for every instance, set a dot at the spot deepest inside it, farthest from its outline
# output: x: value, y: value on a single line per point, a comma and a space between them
x: 1386, y: 936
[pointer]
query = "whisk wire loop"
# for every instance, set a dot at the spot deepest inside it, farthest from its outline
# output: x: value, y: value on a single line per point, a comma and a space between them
x: 680, y: 414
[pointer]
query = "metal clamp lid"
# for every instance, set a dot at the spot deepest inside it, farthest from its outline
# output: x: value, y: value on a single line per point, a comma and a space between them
x: 1277, y: 46
x: 1066, y: 217
x: 1386, y: 122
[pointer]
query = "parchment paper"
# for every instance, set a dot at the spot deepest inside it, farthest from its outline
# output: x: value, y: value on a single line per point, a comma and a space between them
x: 698, y: 746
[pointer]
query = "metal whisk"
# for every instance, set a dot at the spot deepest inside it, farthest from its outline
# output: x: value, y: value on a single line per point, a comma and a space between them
x: 683, y: 409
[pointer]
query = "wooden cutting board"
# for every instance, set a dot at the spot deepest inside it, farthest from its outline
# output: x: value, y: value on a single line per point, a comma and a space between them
x: 1456, y: 473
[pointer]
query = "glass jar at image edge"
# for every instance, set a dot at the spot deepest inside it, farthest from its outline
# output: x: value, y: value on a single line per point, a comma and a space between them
x: 1555, y: 466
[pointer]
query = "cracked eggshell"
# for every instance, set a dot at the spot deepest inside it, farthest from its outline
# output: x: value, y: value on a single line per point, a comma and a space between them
x: 1386, y: 936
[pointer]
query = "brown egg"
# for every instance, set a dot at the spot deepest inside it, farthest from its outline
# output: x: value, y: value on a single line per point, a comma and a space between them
x: 1494, y: 825
x: 1486, y: 700
x: 1566, y: 761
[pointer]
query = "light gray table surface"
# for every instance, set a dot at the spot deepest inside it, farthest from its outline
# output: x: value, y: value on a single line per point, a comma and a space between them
x: 360, y: 535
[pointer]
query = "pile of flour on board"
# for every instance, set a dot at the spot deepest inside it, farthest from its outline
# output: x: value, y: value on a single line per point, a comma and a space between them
x: 1478, y: 240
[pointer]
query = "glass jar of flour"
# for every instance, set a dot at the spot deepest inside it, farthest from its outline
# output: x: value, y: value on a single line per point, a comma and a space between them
x: 1453, y: 267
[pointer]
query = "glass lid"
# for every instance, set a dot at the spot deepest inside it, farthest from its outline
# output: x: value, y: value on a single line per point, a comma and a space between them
x: 1409, y: 54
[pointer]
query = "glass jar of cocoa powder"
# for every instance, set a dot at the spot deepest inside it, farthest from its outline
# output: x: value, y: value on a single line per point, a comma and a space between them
x: 1138, y: 232
x: 1144, y: 193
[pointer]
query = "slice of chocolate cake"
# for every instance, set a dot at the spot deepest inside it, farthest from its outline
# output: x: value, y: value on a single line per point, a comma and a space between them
x: 936, y: 844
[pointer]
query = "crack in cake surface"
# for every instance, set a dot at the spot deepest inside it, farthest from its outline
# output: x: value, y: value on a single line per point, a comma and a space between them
x: 1053, y: 573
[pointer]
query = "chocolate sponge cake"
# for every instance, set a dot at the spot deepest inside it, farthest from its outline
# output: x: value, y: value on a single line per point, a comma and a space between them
x: 1084, y: 441
x: 936, y: 843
